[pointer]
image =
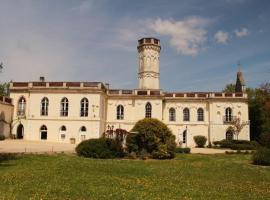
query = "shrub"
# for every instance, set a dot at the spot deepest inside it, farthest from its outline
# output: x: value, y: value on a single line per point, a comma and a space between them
x: 261, y: 156
x: 265, y: 139
x: 153, y: 137
x: 237, y: 144
x: 2, y: 137
x: 200, y: 140
x: 182, y: 150
x: 100, y: 148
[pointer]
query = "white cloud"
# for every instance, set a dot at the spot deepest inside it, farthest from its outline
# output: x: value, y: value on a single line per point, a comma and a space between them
x: 186, y: 36
x: 242, y: 32
x: 221, y: 37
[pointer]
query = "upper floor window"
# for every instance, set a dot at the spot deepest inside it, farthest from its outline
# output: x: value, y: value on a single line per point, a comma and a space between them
x: 84, y: 107
x: 186, y: 114
x: 172, y: 116
x: 44, y: 106
x: 64, y: 107
x: 200, y: 114
x: 148, y: 110
x: 21, y: 106
x: 120, y: 112
x: 228, y: 114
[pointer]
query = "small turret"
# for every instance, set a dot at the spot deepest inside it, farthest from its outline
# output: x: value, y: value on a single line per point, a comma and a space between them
x: 240, y: 86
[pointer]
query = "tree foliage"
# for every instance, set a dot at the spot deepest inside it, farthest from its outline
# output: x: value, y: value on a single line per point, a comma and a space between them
x: 4, y: 89
x: 152, y: 136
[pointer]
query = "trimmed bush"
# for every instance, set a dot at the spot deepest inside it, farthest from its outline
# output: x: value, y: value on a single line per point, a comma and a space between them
x: 200, y: 140
x: 153, y: 137
x: 261, y: 156
x: 182, y: 150
x: 2, y: 137
x: 100, y: 148
x: 236, y: 144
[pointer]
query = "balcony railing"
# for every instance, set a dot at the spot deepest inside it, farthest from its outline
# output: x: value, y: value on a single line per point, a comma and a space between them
x: 229, y: 119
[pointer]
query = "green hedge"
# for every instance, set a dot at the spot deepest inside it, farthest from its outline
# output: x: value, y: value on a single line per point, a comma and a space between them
x: 200, y: 140
x: 152, y: 137
x: 236, y: 144
x: 100, y: 148
x: 182, y: 150
x: 261, y: 156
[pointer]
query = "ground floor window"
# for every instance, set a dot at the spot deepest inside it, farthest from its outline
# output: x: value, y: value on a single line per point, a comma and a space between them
x: 43, y: 133
x: 20, y: 132
x: 229, y: 135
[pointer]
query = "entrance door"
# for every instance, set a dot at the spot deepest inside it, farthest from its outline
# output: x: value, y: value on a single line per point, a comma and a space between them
x: 20, y: 132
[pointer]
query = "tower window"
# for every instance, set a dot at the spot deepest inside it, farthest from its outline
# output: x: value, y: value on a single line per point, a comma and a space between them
x: 120, y: 112
x: 148, y: 110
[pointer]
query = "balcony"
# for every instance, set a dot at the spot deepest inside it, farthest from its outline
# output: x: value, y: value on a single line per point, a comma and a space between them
x: 229, y: 119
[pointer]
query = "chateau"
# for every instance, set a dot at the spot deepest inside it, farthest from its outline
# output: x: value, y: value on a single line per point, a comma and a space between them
x: 75, y: 111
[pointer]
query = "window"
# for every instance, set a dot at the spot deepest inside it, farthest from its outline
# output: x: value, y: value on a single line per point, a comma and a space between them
x: 43, y: 132
x: 64, y: 107
x: 229, y: 135
x: 83, y: 131
x: 186, y: 114
x: 184, y: 136
x: 63, y: 130
x: 44, y: 107
x: 84, y: 107
x: 228, y: 114
x: 172, y: 114
x: 120, y: 112
x: 200, y: 114
x: 21, y: 106
x: 148, y: 110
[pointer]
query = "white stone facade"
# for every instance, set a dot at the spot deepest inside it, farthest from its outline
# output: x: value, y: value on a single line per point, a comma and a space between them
x: 122, y: 108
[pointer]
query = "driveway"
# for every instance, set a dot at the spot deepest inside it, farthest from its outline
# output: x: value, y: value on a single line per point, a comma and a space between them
x: 24, y: 146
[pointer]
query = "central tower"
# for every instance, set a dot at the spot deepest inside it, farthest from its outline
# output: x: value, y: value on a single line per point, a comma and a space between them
x: 148, y: 75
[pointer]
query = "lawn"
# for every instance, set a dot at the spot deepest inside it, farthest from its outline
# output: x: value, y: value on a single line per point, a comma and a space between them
x: 186, y: 177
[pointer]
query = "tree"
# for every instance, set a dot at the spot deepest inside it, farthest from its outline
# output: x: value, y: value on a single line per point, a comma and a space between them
x: 230, y: 88
x: 4, y: 89
x: 152, y: 136
x: 237, y: 126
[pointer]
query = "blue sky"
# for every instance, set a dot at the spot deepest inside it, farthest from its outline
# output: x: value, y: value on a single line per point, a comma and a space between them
x: 95, y: 40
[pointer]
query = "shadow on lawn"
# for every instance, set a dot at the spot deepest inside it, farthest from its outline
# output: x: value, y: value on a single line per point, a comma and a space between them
x: 4, y: 157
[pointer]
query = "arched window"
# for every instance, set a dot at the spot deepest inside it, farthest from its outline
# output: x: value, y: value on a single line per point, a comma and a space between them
x: 84, y: 107
x: 148, y: 110
x: 172, y: 114
x: 63, y: 130
x: 120, y: 112
x: 83, y: 133
x: 44, y: 106
x: 43, y: 132
x: 83, y: 129
x: 64, y: 107
x: 21, y: 106
x: 228, y: 114
x: 200, y: 114
x: 186, y: 114
x: 184, y: 136
x: 229, y: 134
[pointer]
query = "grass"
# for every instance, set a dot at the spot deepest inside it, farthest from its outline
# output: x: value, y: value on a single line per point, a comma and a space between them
x: 186, y: 177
